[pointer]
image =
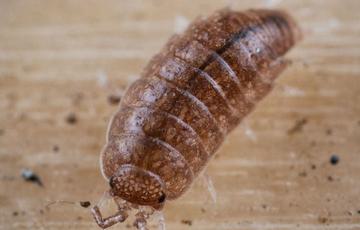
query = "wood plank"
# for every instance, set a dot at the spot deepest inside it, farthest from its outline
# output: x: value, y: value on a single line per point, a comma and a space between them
x: 55, y: 56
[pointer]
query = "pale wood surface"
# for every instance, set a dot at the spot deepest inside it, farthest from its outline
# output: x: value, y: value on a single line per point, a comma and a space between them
x: 53, y: 55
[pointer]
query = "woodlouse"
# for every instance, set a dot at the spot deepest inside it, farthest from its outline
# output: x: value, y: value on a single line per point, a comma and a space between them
x: 190, y: 96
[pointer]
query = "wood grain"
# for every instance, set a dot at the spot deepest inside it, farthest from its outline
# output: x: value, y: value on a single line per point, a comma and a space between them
x: 55, y: 56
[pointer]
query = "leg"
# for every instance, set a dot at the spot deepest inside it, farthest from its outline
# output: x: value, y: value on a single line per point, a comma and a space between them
x: 119, y: 217
x: 109, y: 221
x: 249, y: 133
x: 161, y: 220
x: 142, y: 216
x: 104, y: 198
x: 210, y: 187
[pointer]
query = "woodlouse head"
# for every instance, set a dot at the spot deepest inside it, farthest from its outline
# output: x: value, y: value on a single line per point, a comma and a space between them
x: 138, y: 186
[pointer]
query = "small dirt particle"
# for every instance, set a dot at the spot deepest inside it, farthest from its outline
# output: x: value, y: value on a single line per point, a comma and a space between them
x: 85, y: 204
x: 334, y: 159
x: 329, y: 132
x: 114, y: 99
x: 298, y: 126
x: 15, y: 213
x: 313, y: 166
x: 358, y: 211
x: 330, y: 178
x: 187, y: 222
x: 203, y: 210
x: 30, y: 176
x: 323, y: 219
x: 56, y: 148
x: 71, y: 118
x: 303, y: 174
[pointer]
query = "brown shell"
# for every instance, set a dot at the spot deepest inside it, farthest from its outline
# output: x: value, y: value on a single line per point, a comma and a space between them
x: 190, y: 96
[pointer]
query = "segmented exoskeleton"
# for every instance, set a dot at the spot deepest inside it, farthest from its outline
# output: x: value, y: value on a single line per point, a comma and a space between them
x: 190, y: 96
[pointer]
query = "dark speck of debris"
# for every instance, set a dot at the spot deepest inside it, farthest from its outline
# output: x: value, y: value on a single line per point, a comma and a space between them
x: 334, y: 159
x: 85, y: 204
x: 303, y: 174
x: 71, y: 118
x: 349, y: 213
x: 313, y: 166
x: 329, y: 132
x: 203, y: 210
x: 298, y: 126
x: 114, y: 99
x: 15, y: 213
x: 358, y: 211
x: 330, y: 178
x: 30, y: 176
x: 56, y: 148
x: 187, y: 222
x: 323, y: 219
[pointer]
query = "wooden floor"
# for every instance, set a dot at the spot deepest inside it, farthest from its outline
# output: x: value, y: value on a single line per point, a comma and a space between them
x: 66, y: 57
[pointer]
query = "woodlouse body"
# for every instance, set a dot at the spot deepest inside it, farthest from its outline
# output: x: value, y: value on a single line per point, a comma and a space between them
x: 190, y: 96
